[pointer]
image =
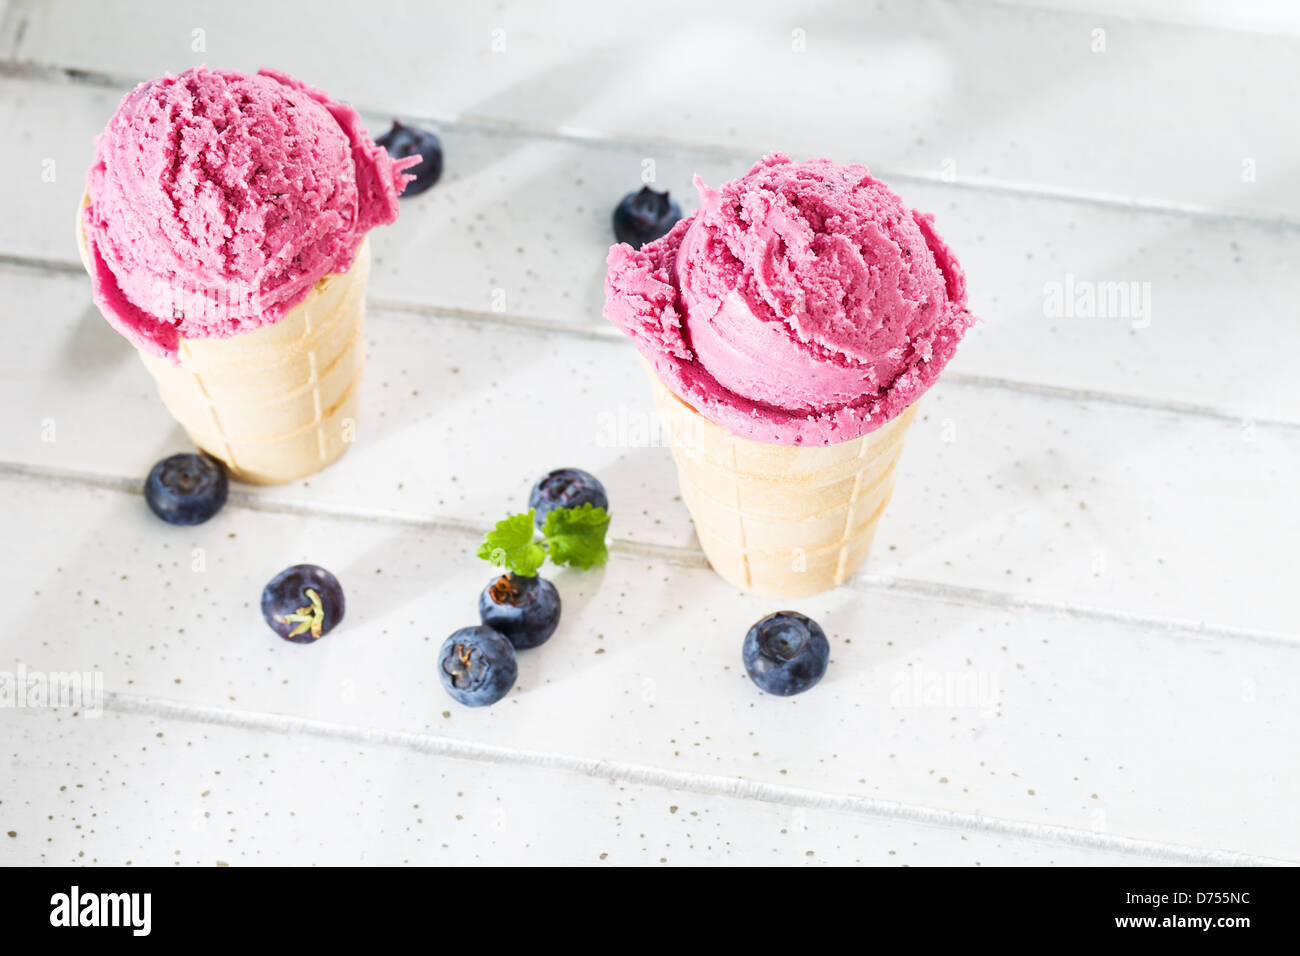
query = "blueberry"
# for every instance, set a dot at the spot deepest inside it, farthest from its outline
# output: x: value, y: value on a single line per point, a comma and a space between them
x: 786, y: 653
x: 186, y: 489
x: 566, y: 488
x: 525, y: 610
x: 403, y: 141
x: 477, y: 666
x: 303, y: 603
x: 644, y: 216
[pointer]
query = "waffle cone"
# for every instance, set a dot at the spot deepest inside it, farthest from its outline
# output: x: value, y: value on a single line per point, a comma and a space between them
x: 781, y: 521
x: 280, y: 402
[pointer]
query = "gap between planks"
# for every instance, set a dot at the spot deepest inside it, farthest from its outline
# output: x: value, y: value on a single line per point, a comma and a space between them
x: 52, y: 74
x: 607, y: 332
x: 693, y: 557
x: 1154, y: 852
x: 604, y: 332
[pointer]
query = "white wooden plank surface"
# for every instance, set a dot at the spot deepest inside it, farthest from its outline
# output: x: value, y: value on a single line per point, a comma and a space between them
x: 1262, y: 16
x: 532, y: 218
x: 1120, y: 732
x: 1042, y: 498
x: 1010, y: 94
x: 254, y: 796
x: 1091, y: 524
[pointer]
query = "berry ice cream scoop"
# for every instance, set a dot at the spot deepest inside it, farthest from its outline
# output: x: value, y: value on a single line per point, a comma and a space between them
x: 803, y: 304
x: 218, y: 199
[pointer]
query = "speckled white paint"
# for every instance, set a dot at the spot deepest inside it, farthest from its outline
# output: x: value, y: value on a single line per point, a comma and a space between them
x: 521, y: 224
x: 1032, y: 496
x: 1007, y: 93
x: 1089, y: 529
x: 1063, y: 721
x: 217, y: 795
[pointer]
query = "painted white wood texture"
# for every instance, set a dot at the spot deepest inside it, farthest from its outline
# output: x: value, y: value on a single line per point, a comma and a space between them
x: 1128, y: 510
x: 934, y: 707
x: 250, y: 794
x: 1074, y: 642
x: 522, y: 225
x: 1012, y: 94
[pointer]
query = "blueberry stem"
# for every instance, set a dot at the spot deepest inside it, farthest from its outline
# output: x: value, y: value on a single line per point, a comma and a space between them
x: 312, y: 617
x: 503, y: 590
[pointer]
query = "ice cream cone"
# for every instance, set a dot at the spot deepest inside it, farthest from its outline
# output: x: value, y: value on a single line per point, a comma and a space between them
x: 781, y: 521
x: 279, y: 402
x: 790, y: 325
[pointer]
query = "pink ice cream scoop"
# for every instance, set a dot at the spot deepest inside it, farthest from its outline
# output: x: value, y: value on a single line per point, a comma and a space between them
x: 803, y: 304
x: 217, y: 200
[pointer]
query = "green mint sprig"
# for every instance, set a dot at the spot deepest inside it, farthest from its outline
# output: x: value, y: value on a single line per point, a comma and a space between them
x: 574, y: 536
x: 510, y: 545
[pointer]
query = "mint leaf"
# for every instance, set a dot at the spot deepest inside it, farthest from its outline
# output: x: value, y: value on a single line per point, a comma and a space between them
x: 511, y: 546
x: 577, y: 536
